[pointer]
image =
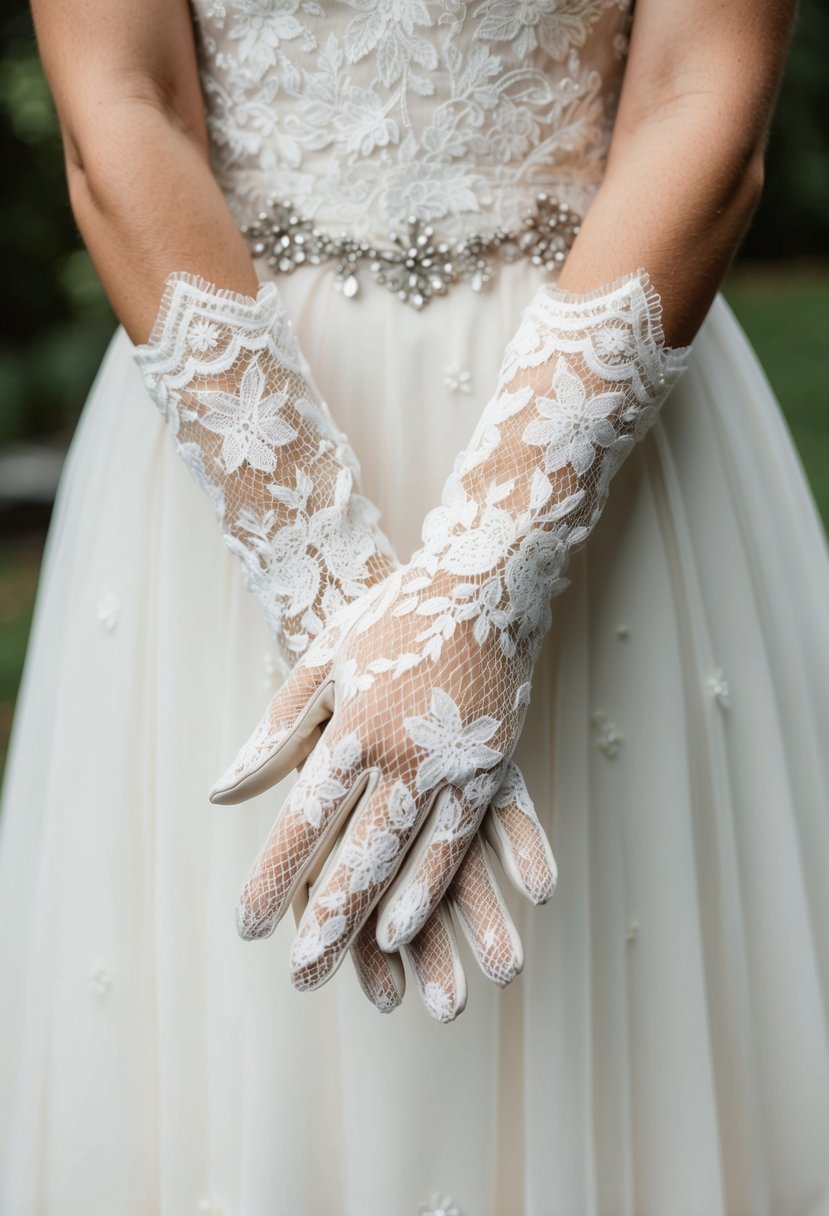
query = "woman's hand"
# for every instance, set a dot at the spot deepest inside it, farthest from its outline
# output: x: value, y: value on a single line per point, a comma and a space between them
x: 378, y: 791
x: 422, y: 686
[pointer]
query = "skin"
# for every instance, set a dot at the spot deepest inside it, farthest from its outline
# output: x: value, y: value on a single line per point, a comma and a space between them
x: 684, y: 174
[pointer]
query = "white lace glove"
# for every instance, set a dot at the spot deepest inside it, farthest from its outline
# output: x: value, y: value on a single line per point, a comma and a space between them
x: 424, y: 684
x: 474, y: 897
x: 227, y: 373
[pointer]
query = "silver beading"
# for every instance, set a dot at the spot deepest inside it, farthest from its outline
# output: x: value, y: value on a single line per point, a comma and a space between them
x: 415, y: 265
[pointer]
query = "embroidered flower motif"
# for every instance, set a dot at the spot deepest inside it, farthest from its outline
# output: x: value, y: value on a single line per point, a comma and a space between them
x: 438, y: 1002
x: 314, y: 939
x: 263, y: 743
x: 320, y: 787
x: 108, y: 609
x: 100, y: 980
x: 441, y: 110
x: 451, y: 820
x: 515, y: 132
x: 720, y: 688
x: 203, y: 335
x: 457, y: 379
x: 614, y: 343
x: 402, y: 808
x: 370, y: 859
x: 572, y: 424
x: 453, y: 751
x: 479, y: 790
x: 522, y: 695
x: 533, y: 574
x: 259, y: 26
x: 479, y: 547
x: 513, y: 792
x: 609, y: 739
x: 481, y: 604
x: 556, y: 25
x: 363, y: 124
x: 389, y: 31
x: 250, y: 423
x: 411, y: 904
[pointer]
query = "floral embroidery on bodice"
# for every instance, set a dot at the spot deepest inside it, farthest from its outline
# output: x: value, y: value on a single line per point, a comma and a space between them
x: 366, y: 112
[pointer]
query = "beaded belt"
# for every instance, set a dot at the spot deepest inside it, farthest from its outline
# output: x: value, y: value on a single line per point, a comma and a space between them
x: 415, y: 265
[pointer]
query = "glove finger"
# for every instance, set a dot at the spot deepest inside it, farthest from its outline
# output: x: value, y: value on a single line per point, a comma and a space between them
x: 519, y: 841
x: 330, y: 786
x: 485, y: 919
x: 353, y: 881
x: 285, y: 735
x: 436, y: 963
x: 381, y: 976
x: 429, y: 868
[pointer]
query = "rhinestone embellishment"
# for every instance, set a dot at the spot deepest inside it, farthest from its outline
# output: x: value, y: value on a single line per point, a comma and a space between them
x: 416, y: 264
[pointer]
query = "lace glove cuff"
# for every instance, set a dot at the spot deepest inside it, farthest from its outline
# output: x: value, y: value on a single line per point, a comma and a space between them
x: 228, y: 375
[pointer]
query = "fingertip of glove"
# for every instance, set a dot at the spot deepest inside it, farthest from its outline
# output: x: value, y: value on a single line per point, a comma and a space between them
x: 387, y: 939
x: 400, y: 921
x: 231, y: 787
x: 251, y: 926
x: 386, y: 1002
x: 219, y: 795
x: 546, y: 891
x: 445, y: 1014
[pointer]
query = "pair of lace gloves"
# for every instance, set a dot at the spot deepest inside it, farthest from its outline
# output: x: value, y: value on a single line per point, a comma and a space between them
x: 412, y: 683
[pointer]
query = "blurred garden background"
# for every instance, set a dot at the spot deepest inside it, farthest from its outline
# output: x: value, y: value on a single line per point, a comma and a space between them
x: 56, y: 322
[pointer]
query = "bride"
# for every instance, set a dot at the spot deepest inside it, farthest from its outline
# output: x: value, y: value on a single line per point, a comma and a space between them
x: 574, y: 593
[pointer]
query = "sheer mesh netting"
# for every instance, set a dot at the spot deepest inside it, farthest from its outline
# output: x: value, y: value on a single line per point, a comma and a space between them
x: 229, y: 377
x: 424, y: 684
x: 228, y: 373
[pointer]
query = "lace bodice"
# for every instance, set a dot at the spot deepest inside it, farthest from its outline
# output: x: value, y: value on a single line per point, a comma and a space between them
x: 366, y: 112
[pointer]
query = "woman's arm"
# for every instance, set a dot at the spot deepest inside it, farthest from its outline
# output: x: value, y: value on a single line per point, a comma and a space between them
x: 127, y: 91
x: 685, y: 169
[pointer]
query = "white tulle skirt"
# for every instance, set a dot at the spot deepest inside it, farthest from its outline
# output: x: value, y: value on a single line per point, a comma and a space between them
x: 666, y: 1051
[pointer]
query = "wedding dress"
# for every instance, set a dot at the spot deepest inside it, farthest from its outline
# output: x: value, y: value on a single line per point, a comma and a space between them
x: 666, y: 1050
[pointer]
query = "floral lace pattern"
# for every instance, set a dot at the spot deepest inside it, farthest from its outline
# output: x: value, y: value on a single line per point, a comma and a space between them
x: 228, y: 375
x: 366, y: 112
x: 427, y: 680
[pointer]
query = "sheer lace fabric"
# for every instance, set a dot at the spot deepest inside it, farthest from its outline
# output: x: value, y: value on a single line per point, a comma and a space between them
x: 231, y: 381
x: 229, y: 376
x: 429, y: 676
x: 364, y: 112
